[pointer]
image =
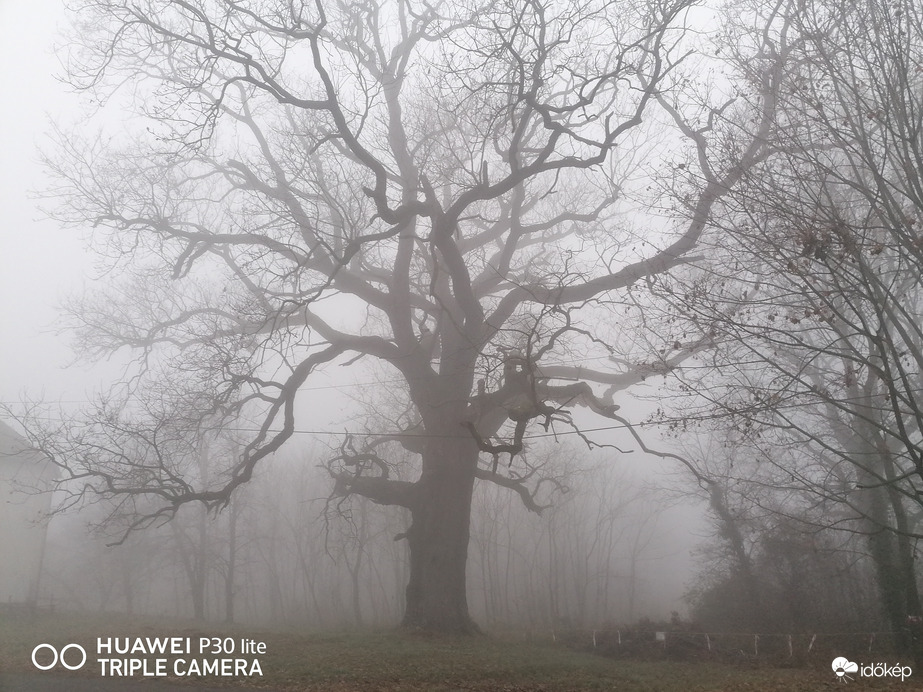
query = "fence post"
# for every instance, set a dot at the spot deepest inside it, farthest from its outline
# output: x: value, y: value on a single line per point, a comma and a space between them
x: 811, y: 645
x: 871, y: 639
x: 594, y: 639
x: 756, y: 650
x: 790, y: 654
x: 707, y: 641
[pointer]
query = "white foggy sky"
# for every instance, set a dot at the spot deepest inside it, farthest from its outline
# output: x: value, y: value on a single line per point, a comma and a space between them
x: 39, y: 261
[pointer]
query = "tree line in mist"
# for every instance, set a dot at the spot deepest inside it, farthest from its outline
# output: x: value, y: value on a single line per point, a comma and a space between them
x: 520, y: 214
x: 289, y: 555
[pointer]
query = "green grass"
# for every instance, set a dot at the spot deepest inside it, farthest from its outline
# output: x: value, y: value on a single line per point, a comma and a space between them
x: 392, y: 661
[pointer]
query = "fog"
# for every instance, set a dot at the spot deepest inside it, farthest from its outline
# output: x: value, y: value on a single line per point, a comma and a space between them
x: 615, y: 548
x: 598, y: 557
x: 529, y: 323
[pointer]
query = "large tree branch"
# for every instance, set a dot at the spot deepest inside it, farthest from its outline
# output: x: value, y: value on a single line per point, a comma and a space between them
x: 527, y: 496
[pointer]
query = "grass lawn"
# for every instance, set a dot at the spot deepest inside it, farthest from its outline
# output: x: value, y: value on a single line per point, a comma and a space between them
x: 391, y: 661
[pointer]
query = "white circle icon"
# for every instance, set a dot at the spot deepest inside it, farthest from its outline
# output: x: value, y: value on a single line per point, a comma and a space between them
x: 57, y: 656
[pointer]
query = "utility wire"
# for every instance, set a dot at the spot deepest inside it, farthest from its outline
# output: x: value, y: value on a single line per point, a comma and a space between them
x: 460, y: 436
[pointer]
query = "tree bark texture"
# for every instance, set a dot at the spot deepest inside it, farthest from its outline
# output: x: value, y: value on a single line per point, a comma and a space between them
x: 438, y: 537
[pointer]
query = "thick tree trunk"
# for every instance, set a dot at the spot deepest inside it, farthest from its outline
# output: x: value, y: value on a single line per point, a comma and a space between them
x: 883, y: 550
x: 903, y: 576
x: 890, y: 548
x: 902, y: 522
x: 437, y: 600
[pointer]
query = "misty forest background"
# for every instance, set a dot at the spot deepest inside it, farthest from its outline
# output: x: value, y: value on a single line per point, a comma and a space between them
x: 541, y: 234
x: 283, y: 555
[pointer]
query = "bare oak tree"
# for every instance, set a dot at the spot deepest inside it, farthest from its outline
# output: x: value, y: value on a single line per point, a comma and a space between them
x: 435, y: 186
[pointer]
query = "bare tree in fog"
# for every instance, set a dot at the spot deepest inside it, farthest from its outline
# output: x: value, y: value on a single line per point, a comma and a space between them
x: 436, y: 187
x: 815, y: 287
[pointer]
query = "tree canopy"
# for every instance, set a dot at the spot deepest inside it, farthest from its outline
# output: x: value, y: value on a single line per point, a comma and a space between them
x: 454, y: 190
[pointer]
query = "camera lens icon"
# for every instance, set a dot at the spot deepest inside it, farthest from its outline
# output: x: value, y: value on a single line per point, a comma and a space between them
x: 59, y: 656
